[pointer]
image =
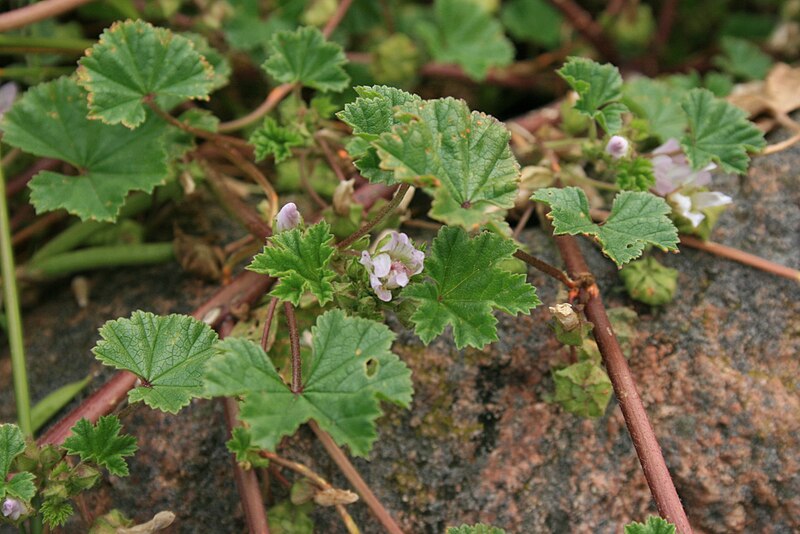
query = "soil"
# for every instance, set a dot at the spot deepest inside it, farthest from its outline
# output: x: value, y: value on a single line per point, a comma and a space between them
x: 717, y: 370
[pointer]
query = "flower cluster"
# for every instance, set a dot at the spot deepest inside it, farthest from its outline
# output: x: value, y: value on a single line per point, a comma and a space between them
x: 392, y: 265
x: 682, y: 185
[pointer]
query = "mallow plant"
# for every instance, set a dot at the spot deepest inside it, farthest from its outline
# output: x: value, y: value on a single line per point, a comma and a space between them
x: 122, y: 122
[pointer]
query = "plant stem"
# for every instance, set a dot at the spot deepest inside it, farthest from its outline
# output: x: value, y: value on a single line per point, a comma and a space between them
x: 742, y: 257
x: 323, y: 484
x: 336, y: 18
x: 546, y: 268
x: 45, y: 9
x: 639, y: 427
x: 273, y: 304
x: 361, y: 487
x: 40, y: 224
x: 27, y: 44
x: 16, y: 339
x: 98, y: 257
x: 101, y: 402
x: 273, y: 99
x: 294, y: 339
x: 582, y: 21
x: 369, y: 225
x: 18, y: 73
x: 246, y: 481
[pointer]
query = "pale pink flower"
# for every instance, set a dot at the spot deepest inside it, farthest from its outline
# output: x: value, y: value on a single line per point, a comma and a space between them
x: 392, y: 265
x: 672, y: 169
x: 289, y: 217
x: 617, y: 147
x: 691, y: 206
x: 13, y: 508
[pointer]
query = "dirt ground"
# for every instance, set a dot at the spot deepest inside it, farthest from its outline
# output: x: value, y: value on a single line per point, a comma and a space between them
x: 717, y: 371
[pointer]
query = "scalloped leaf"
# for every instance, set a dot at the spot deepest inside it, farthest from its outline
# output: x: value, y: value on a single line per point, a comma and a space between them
x: 719, y: 132
x: 374, y: 112
x: 583, y: 389
x: 304, y: 56
x: 599, y: 89
x: 102, y: 444
x: 166, y: 352
x: 658, y: 103
x: 465, y: 33
x: 12, y: 444
x: 274, y: 139
x: 300, y: 258
x: 654, y: 525
x: 135, y: 60
x: 50, y: 121
x: 350, y: 371
x: 637, y: 219
x: 465, y: 153
x: 465, y: 285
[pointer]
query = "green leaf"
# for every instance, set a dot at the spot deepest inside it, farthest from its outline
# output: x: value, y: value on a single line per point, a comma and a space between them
x: 12, y: 444
x: 288, y: 518
x: 351, y: 369
x: 654, y: 525
x: 465, y: 33
x: 743, y: 59
x: 650, y: 282
x: 373, y: 113
x: 300, y: 258
x: 599, y: 89
x: 465, y: 285
x: 478, y: 528
x: 635, y: 174
x: 102, y: 444
x: 56, y: 511
x: 135, y: 60
x: 465, y: 153
x: 305, y: 56
x: 637, y: 219
x: 242, y: 447
x: 533, y: 20
x: 50, y: 121
x: 719, y: 132
x: 166, y: 352
x: 583, y: 389
x: 656, y: 102
x: 274, y: 139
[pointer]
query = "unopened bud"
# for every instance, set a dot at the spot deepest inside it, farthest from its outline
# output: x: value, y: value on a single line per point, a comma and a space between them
x: 343, y: 197
x: 288, y: 218
x: 566, y: 316
x: 617, y: 147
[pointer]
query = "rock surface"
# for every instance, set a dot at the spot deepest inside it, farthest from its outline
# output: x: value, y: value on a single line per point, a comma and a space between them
x: 717, y: 370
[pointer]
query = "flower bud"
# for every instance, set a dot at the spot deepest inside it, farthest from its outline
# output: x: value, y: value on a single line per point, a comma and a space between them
x: 289, y: 217
x: 343, y: 197
x: 617, y: 147
x: 13, y: 508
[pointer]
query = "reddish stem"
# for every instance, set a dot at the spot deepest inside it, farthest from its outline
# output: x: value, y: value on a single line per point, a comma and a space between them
x: 641, y: 431
x: 101, y: 402
x: 361, y: 487
x: 742, y: 257
x: 246, y: 481
x: 294, y: 339
x: 45, y: 9
x: 268, y: 322
x: 546, y: 268
x: 336, y: 18
x: 369, y: 225
x: 583, y: 22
